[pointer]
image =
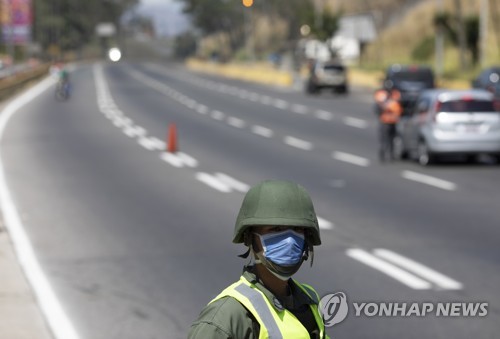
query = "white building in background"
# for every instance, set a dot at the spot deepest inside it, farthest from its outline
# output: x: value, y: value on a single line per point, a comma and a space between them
x: 354, y: 32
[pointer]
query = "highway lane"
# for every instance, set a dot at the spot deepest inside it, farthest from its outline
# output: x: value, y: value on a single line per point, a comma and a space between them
x: 126, y: 237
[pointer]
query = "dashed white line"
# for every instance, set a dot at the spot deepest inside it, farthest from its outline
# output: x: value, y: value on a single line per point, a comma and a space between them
x: 324, y: 224
x: 231, y: 182
x: 172, y: 159
x: 423, y: 271
x: 236, y: 122
x: 281, y: 104
x: 146, y: 143
x: 213, y: 182
x: 299, y: 109
x: 202, y: 109
x: 351, y: 158
x: 298, y: 143
x: 217, y: 115
x: 262, y: 131
x: 389, y: 269
x: 266, y: 100
x: 187, y: 159
x: 323, y: 115
x: 355, y: 122
x: 428, y: 180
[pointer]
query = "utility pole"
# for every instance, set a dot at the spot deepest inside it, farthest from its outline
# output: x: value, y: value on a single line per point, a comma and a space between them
x: 439, y: 42
x: 483, y: 32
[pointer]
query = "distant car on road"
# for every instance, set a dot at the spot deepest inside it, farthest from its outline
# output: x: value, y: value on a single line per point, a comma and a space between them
x: 409, y: 81
x: 489, y: 79
x: 330, y: 75
x: 449, y: 122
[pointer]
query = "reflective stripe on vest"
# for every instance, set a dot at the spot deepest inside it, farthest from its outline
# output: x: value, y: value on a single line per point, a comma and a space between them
x: 260, y: 305
x: 273, y: 323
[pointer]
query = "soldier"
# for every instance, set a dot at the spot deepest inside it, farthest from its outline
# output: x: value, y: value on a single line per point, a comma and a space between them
x: 278, y: 223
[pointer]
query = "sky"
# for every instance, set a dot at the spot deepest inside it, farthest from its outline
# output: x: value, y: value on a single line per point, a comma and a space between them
x: 166, y: 14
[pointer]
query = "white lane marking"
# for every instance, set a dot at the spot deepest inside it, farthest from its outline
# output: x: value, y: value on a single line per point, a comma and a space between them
x: 298, y: 143
x: 281, y: 104
x: 233, y: 183
x: 323, y: 115
x: 299, y: 109
x: 428, y: 180
x: 351, y: 158
x: 158, y: 144
x: 324, y: 224
x: 235, y: 122
x: 266, y: 100
x: 129, y: 132
x: 172, y: 159
x: 202, y: 109
x: 187, y: 159
x: 217, y: 115
x: 262, y: 131
x: 146, y: 143
x: 213, y: 182
x: 57, y: 320
x: 254, y: 97
x: 425, y: 272
x: 355, y: 122
x: 389, y: 269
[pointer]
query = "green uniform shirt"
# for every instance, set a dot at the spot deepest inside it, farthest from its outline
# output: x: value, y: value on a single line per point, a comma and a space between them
x: 227, y: 318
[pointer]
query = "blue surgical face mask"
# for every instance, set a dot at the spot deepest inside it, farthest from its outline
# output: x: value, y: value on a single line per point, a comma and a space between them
x: 283, y: 248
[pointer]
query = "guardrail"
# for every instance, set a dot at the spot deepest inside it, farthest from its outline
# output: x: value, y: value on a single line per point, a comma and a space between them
x: 12, y: 84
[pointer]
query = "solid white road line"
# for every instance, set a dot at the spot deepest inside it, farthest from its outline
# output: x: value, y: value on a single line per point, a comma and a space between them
x: 428, y: 180
x: 213, y: 182
x: 298, y: 143
x: 323, y: 115
x: 423, y: 271
x: 231, y: 182
x: 389, y: 269
x: 325, y: 224
x: 235, y: 122
x: 355, y: 122
x: 351, y: 158
x: 262, y: 131
x: 56, y: 318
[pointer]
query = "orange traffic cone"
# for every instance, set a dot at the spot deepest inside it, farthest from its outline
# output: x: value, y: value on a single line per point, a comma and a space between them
x: 172, y: 139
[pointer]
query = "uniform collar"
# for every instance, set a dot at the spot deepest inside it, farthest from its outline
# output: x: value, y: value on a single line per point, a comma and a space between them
x: 299, y: 297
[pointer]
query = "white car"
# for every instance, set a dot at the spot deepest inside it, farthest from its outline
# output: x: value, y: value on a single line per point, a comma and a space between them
x: 449, y: 122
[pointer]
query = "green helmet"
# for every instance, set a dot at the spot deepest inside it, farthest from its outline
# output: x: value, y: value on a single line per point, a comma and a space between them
x: 280, y: 203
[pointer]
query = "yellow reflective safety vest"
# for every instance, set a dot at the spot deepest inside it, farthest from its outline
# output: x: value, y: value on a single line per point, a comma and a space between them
x: 274, y: 323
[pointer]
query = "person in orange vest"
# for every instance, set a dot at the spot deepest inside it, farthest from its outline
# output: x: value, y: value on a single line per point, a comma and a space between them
x: 389, y: 110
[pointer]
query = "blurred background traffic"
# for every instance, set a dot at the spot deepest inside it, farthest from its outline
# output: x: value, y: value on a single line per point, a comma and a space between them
x: 129, y: 167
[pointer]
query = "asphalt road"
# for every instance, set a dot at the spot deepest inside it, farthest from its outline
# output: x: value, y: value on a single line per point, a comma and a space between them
x: 135, y: 241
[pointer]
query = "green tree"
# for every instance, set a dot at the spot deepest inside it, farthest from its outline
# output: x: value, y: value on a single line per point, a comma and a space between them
x: 70, y: 24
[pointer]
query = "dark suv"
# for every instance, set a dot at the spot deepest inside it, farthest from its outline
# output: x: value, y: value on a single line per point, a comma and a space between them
x: 409, y: 81
x: 489, y: 79
x: 331, y: 75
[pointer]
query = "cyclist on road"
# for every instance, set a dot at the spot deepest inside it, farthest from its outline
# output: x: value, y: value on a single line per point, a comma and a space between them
x: 278, y: 224
x: 389, y: 110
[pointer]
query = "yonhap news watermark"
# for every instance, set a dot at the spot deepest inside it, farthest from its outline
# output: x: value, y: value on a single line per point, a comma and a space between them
x: 334, y: 308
